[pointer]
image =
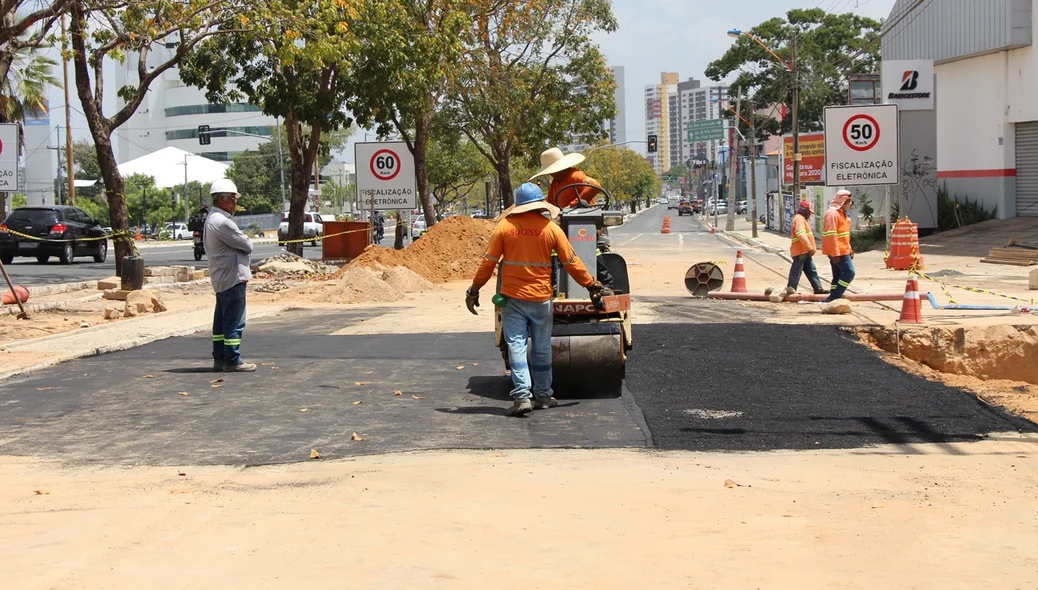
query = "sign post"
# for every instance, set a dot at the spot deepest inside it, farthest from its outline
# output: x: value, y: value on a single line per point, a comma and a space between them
x: 861, y: 145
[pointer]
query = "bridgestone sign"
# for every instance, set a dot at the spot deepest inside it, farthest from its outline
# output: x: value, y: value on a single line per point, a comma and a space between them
x: 385, y: 174
x: 861, y: 145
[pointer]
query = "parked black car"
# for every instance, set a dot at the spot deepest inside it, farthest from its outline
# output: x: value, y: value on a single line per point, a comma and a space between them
x: 53, y: 222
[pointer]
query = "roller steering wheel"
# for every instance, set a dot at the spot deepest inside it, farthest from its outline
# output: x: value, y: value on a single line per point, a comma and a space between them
x: 581, y: 201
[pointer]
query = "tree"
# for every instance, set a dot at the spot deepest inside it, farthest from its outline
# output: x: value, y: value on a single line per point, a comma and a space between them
x: 627, y: 176
x: 532, y: 77
x: 411, y: 51
x: 293, y: 58
x: 830, y: 47
x: 22, y: 16
x: 134, y: 28
x: 455, y: 168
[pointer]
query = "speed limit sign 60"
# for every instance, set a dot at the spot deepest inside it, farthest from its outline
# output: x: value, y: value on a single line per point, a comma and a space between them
x: 385, y: 164
x: 385, y: 175
x: 861, y: 145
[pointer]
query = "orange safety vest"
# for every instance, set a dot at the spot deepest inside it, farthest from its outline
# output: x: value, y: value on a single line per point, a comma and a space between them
x: 802, y: 240
x: 522, y: 247
x: 565, y: 198
x: 836, y: 233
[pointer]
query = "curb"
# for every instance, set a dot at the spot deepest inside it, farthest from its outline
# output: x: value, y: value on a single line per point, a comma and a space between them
x: 51, y: 305
x: 55, y: 288
x: 125, y: 345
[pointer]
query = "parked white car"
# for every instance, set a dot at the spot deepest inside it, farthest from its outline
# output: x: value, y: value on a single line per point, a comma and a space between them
x: 313, y: 227
x: 176, y: 231
x: 418, y: 227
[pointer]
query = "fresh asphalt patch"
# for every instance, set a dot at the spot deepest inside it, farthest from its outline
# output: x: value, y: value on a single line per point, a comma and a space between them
x: 758, y: 387
x: 157, y: 404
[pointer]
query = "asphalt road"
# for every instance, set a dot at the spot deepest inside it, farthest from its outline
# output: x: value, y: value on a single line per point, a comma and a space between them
x: 26, y: 271
x: 735, y: 386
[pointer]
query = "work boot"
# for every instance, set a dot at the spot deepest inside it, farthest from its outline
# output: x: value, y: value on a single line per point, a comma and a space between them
x: 788, y: 291
x: 218, y: 366
x: 543, y: 403
x: 821, y: 291
x: 242, y: 368
x: 520, y: 408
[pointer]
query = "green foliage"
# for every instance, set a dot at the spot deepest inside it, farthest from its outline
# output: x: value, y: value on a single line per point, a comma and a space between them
x: 456, y: 169
x: 865, y: 239
x: 94, y: 207
x: 829, y: 48
x: 532, y: 77
x: 625, y: 174
x: 18, y: 200
x: 953, y: 213
x: 866, y: 210
x: 23, y: 89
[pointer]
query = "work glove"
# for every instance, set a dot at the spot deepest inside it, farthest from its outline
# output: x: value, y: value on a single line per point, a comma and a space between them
x: 597, y: 291
x: 472, y: 300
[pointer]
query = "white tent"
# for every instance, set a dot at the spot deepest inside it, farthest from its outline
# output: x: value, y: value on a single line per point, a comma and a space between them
x: 167, y: 167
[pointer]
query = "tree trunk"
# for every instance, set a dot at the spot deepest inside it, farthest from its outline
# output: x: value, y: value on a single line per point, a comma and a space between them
x: 421, y: 137
x: 301, y: 162
x: 401, y: 231
x: 504, y: 173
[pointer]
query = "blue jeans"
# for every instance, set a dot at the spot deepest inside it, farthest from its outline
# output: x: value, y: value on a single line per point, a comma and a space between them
x: 843, y: 274
x: 228, y: 323
x: 522, y: 320
x: 804, y: 264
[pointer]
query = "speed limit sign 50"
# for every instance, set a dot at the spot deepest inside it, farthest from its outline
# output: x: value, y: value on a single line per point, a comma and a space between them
x: 861, y: 145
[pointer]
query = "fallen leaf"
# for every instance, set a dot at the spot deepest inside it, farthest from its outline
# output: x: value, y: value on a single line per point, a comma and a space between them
x: 266, y: 364
x: 731, y: 484
x: 358, y: 383
x: 304, y: 409
x: 356, y: 436
x: 41, y: 492
x: 217, y: 381
x: 417, y: 396
x: 460, y: 367
x: 368, y: 372
x: 475, y: 364
x: 181, y: 473
x: 86, y: 374
x: 148, y: 377
x: 215, y: 385
x: 275, y: 368
x: 357, y: 403
x: 43, y: 388
x: 398, y: 393
x: 184, y: 393
x: 877, y: 506
x: 314, y: 454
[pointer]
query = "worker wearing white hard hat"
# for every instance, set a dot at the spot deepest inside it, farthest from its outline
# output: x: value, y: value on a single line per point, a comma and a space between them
x: 229, y: 251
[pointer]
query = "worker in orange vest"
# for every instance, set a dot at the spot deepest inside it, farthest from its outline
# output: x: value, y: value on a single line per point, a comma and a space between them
x: 564, y: 172
x: 836, y: 243
x: 802, y: 249
x: 521, y: 248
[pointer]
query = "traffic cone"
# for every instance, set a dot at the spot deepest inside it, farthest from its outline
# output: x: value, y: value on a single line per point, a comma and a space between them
x: 138, y: 236
x: 739, y: 276
x: 911, y: 307
x: 666, y: 225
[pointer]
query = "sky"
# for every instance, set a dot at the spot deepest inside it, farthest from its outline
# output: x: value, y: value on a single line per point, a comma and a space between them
x: 653, y: 36
x: 684, y: 36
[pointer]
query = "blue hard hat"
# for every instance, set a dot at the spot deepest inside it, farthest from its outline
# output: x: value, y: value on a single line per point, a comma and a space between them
x: 528, y: 193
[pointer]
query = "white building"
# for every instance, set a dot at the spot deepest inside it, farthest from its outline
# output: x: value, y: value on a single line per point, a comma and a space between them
x: 696, y: 103
x: 986, y: 71
x: 172, y: 111
x: 618, y: 126
x: 657, y: 119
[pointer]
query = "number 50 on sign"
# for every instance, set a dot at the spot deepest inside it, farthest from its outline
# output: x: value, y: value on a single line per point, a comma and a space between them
x: 861, y: 145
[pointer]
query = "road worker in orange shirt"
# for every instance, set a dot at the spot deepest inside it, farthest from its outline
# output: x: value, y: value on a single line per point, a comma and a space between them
x: 521, y: 249
x: 802, y: 249
x: 836, y: 243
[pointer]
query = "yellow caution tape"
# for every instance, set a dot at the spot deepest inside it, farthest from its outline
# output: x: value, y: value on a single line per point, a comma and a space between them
x: 322, y: 237
x: 945, y: 286
x: 114, y: 236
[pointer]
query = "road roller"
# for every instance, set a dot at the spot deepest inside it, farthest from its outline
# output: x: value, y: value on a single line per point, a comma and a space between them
x: 589, y: 343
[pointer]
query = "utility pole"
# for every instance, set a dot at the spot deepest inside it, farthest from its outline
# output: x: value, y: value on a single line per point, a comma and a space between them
x: 733, y: 180
x: 68, y: 125
x: 753, y: 168
x: 187, y: 200
x: 794, y: 72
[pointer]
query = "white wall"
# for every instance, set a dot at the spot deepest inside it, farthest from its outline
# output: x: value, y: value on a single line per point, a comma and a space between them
x: 972, y: 129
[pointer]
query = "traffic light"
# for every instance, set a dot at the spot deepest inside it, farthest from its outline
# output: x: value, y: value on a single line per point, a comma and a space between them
x: 203, y: 135
x: 652, y: 144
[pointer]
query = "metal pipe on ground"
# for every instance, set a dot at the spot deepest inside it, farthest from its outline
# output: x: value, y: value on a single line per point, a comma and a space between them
x: 795, y: 298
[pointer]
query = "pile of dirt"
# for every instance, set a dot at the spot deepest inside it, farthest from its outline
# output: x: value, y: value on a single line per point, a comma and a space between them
x: 275, y: 285
x: 450, y: 251
x: 290, y: 265
x: 406, y: 280
x: 357, y: 284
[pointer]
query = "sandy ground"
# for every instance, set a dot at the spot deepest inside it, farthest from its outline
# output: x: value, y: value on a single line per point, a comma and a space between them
x: 950, y: 516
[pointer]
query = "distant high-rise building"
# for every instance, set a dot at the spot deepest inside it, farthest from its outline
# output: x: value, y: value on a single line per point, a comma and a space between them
x: 658, y: 119
x: 696, y: 103
x: 617, y: 126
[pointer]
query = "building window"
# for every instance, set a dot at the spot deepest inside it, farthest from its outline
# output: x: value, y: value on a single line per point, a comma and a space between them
x: 208, y: 109
x: 219, y: 156
x: 192, y: 133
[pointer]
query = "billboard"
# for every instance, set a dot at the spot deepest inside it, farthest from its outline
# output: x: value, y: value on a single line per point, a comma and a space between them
x: 812, y: 158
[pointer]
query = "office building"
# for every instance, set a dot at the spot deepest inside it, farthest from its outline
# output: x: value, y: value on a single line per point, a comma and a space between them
x: 696, y: 103
x: 617, y: 126
x: 657, y: 119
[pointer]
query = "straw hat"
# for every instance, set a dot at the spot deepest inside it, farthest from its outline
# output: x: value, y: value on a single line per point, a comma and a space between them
x: 553, y: 161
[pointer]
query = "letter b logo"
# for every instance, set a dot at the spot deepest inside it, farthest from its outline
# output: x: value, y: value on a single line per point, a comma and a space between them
x: 910, y: 80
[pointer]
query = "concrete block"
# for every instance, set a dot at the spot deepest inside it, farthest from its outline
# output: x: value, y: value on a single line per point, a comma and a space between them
x: 199, y: 275
x: 161, y: 271
x: 109, y: 283
x: 112, y: 313
x: 184, y: 277
x: 1034, y: 278
x: 116, y: 294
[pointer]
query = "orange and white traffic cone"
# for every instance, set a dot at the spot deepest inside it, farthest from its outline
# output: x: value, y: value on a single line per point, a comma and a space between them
x: 911, y: 307
x: 666, y: 225
x: 739, y: 276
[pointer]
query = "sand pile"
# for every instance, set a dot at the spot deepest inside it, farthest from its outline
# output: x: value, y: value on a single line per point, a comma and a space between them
x: 357, y: 284
x: 288, y: 265
x: 405, y: 280
x: 275, y: 285
x: 450, y: 251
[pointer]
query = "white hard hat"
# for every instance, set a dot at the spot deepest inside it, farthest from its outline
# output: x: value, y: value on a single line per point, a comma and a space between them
x: 223, y: 185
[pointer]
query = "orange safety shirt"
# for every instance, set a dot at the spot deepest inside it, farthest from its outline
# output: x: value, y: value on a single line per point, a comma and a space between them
x: 802, y: 239
x: 836, y: 233
x: 522, y: 245
x: 565, y: 198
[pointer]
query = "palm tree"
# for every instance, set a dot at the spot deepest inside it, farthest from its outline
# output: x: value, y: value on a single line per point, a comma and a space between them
x: 23, y: 91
